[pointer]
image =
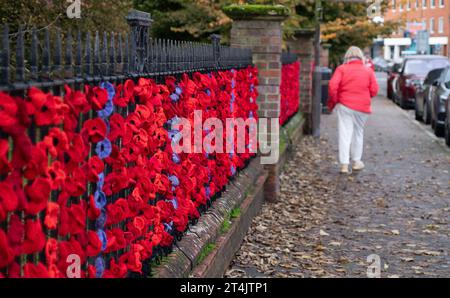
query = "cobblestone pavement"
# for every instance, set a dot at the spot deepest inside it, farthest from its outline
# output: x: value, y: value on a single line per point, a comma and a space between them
x: 326, y: 224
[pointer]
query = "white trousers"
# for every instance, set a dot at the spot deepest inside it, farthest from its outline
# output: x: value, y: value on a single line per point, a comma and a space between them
x: 351, y: 133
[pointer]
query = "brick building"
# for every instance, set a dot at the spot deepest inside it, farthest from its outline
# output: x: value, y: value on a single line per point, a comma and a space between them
x: 430, y: 15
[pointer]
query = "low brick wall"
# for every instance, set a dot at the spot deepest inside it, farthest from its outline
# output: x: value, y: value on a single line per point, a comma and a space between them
x: 290, y: 135
x: 245, y: 192
x: 191, y: 256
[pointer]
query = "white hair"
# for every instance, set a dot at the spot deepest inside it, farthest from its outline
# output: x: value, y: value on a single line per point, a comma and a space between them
x: 353, y: 53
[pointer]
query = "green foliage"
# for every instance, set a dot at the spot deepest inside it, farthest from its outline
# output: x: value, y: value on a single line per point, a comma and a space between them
x: 235, y: 213
x: 225, y: 227
x: 101, y: 15
x: 226, y: 224
x: 343, y: 25
x: 250, y: 10
x: 206, y: 250
x: 187, y: 19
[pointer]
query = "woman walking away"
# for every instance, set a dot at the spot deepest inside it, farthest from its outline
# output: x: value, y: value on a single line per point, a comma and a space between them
x: 351, y: 89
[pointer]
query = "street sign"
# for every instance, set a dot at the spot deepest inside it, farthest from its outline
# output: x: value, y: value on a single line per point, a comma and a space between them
x: 422, y: 44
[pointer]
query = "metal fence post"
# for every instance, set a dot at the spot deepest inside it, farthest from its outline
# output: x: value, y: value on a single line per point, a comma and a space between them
x: 215, y: 40
x: 139, y: 23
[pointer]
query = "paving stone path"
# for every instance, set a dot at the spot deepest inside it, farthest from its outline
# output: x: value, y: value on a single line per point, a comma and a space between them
x: 326, y: 224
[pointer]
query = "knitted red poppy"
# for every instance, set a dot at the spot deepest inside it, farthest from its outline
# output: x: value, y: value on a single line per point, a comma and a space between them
x: 31, y: 270
x: 94, y: 246
x: 46, y: 108
x: 5, y: 165
x: 34, y: 237
x: 76, y: 100
x: 96, y: 96
x: 8, y: 199
x: 51, y: 216
x: 94, y: 130
x: 38, y: 193
x: 8, y: 110
x: 6, y: 252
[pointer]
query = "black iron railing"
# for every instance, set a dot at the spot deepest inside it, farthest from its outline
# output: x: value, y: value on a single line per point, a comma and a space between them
x: 48, y: 59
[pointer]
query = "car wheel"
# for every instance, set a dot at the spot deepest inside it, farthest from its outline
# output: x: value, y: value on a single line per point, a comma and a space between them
x: 426, y: 113
x: 447, y: 134
x: 402, y: 102
x: 439, y: 130
x: 418, y: 116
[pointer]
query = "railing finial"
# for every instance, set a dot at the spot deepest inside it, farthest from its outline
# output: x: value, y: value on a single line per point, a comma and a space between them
x: 139, y: 23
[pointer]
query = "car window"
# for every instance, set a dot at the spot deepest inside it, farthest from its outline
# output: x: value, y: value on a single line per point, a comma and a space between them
x: 447, y: 80
x: 396, y: 67
x: 433, y: 75
x: 422, y: 67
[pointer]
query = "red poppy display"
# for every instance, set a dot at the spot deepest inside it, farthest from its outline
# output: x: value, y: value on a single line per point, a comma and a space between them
x: 106, y: 179
x: 289, y: 91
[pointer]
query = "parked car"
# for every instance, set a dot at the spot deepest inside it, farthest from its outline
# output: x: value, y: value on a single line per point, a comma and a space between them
x: 412, y: 74
x: 424, y: 94
x: 438, y: 102
x: 393, y: 74
x: 447, y: 123
x: 380, y: 64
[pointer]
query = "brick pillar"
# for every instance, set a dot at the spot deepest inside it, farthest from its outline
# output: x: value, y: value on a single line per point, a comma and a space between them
x: 263, y: 35
x: 325, y: 55
x: 302, y: 44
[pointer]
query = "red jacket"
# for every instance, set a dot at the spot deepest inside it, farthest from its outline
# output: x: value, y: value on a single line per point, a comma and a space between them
x: 353, y: 84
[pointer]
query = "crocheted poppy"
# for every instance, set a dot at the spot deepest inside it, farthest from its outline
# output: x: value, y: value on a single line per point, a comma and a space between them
x: 8, y: 110
x: 57, y: 175
x: 51, y: 216
x: 94, y: 130
x: 94, y: 246
x: 75, y: 184
x: 37, y: 193
x: 46, y: 108
x: 5, y: 165
x: 96, y: 96
x: 124, y: 94
x: 117, y: 127
x: 34, y: 237
x: 8, y: 199
x: 117, y: 212
x: 116, y: 270
x: 31, y: 270
x: 16, y: 233
x: 73, y: 220
x: 76, y: 100
x: 51, y: 251
x: 6, y: 252
x: 56, y: 142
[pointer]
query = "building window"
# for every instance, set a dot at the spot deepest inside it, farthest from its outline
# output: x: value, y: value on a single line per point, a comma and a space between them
x: 400, y: 6
x: 424, y: 24
x: 441, y: 25
x: 441, y: 3
x: 408, y: 5
x: 432, y: 3
x: 416, y: 5
x: 424, y: 4
x: 432, y: 25
x: 394, y: 5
